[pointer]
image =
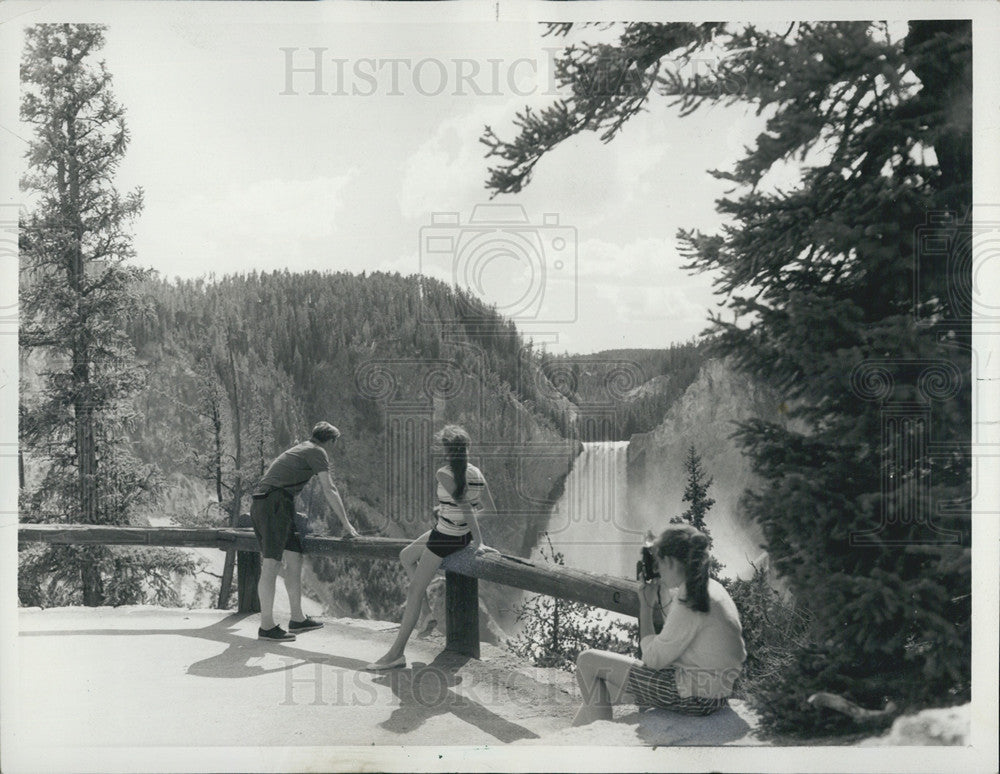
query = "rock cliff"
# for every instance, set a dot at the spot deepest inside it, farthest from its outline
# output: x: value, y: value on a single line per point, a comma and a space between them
x: 704, y: 416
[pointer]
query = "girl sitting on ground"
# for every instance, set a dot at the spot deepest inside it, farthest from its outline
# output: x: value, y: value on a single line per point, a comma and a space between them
x: 691, y: 665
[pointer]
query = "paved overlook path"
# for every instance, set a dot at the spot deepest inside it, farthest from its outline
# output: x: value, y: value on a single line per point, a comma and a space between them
x: 155, y: 677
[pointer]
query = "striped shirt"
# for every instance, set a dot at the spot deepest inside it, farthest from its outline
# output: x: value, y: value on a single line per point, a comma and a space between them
x: 451, y: 518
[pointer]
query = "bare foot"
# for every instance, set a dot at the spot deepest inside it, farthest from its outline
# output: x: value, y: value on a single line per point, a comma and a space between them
x: 388, y: 661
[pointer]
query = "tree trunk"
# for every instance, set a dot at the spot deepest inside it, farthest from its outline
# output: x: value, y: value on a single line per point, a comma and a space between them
x: 83, y: 406
x: 225, y: 587
x: 555, y: 626
x: 217, y: 430
x: 90, y: 578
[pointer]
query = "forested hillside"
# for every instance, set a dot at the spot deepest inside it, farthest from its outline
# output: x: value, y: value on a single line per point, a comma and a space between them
x: 242, y: 367
x: 618, y: 393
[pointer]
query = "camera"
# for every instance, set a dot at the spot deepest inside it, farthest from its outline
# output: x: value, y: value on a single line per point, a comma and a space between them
x: 528, y: 271
x: 645, y: 568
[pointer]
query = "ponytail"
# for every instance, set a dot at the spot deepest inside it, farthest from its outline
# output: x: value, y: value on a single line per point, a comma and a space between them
x: 696, y: 576
x: 458, y: 461
x: 688, y: 545
x: 456, y: 445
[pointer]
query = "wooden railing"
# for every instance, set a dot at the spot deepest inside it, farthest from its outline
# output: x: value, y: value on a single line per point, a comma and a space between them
x: 462, y: 569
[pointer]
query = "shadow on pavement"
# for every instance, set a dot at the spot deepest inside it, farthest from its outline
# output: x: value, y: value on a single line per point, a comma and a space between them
x: 234, y: 660
x: 660, y: 727
x: 425, y: 690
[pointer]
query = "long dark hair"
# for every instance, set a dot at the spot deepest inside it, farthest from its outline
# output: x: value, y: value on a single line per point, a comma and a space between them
x: 689, y: 546
x: 456, y: 445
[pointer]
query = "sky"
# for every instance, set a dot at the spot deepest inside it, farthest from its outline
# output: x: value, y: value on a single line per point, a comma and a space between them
x: 244, y: 168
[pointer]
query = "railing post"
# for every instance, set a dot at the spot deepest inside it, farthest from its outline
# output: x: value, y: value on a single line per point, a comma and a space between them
x: 247, y: 574
x: 461, y: 602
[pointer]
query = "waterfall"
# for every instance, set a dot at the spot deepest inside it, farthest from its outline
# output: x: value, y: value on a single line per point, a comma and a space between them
x: 590, y: 524
x: 595, y: 530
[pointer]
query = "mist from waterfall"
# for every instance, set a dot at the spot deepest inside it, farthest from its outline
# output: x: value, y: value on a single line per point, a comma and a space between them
x: 595, y: 530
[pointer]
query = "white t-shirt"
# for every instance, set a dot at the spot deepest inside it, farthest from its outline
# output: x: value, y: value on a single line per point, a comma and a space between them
x: 706, y: 649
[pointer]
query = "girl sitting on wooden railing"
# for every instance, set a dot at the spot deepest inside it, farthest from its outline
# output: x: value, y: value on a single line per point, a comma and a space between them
x: 461, y: 490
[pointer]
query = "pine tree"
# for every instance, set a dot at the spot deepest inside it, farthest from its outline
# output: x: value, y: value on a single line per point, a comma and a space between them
x: 696, y: 491
x: 77, y: 292
x: 868, y: 524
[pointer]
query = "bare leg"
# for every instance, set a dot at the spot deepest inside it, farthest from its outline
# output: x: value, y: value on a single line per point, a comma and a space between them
x: 409, y: 557
x: 601, y: 676
x: 426, y: 567
x: 265, y: 590
x: 293, y: 583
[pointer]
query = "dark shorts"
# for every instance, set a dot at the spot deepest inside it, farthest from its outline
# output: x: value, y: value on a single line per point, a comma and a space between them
x: 658, y: 688
x: 273, y: 520
x: 443, y: 545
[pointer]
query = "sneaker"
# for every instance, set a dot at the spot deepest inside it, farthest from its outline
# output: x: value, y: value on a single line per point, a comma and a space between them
x: 277, y: 634
x: 304, y: 626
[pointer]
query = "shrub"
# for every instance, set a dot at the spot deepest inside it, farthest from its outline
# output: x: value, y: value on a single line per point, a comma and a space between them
x: 555, y: 631
x: 773, y: 629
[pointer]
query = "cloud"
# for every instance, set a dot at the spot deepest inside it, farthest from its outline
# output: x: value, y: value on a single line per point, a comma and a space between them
x: 640, y: 262
x: 447, y: 171
x: 638, y: 295
x: 581, y: 176
x: 266, y: 224
x: 631, y: 295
